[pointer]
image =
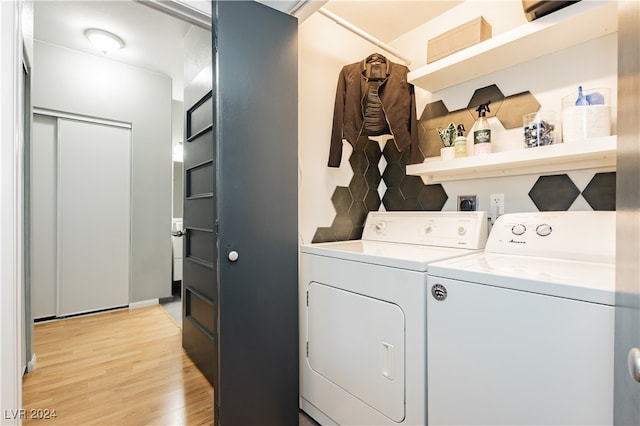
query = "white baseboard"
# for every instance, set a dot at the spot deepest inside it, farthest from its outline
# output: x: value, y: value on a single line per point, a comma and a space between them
x: 143, y: 303
x: 31, y: 365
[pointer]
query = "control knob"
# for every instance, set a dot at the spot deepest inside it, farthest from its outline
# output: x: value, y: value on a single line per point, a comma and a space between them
x: 543, y: 230
x: 518, y: 229
x: 380, y: 226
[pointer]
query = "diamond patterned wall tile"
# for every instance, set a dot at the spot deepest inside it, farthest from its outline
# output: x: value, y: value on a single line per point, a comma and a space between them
x: 372, y: 176
x: 323, y: 235
x: 434, y: 115
x: 341, y: 199
x: 514, y: 107
x: 432, y: 197
x: 461, y: 116
x: 358, y: 161
x: 508, y: 110
x: 411, y: 187
x: 354, y: 202
x: 404, y: 192
x: 358, y: 187
x: 554, y: 193
x: 393, y: 174
x: 429, y: 143
x: 409, y: 193
x: 410, y: 205
x: 372, y: 151
x: 358, y: 212
x: 356, y: 233
x: 484, y: 95
x: 393, y: 199
x: 372, y: 200
x: 600, y: 193
x: 391, y: 153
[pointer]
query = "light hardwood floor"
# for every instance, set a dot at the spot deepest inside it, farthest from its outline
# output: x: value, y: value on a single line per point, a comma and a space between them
x: 124, y: 367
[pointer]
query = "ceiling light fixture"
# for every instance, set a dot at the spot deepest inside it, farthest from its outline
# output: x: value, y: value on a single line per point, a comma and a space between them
x: 104, y: 41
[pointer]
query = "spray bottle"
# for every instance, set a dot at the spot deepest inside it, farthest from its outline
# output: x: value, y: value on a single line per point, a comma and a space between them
x: 460, y: 143
x: 482, y: 131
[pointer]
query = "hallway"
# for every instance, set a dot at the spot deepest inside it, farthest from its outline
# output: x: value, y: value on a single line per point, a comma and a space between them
x: 124, y: 367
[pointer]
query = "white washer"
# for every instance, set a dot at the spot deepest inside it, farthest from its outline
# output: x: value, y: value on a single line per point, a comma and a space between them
x: 524, y: 332
x: 362, y: 316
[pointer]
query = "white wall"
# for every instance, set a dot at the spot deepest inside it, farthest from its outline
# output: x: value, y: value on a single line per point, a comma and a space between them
x: 177, y: 136
x: 74, y: 82
x: 325, y: 48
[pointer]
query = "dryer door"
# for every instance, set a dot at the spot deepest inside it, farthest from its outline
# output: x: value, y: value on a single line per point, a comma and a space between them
x: 358, y: 343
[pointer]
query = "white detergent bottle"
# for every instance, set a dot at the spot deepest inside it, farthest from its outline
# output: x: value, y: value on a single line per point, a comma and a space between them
x: 482, y: 131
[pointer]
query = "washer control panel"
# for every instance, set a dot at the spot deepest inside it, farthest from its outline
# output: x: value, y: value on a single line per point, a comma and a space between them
x: 588, y: 235
x: 444, y: 229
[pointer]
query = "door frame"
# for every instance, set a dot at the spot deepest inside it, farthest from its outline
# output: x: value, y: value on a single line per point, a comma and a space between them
x: 16, y: 49
x: 627, y: 322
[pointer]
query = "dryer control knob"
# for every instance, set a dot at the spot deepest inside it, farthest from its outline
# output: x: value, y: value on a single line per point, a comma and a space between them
x: 543, y: 230
x: 380, y: 226
x: 462, y: 230
x: 518, y: 229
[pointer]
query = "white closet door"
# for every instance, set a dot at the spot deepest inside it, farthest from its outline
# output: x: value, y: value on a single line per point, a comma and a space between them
x: 43, y: 217
x: 93, y: 216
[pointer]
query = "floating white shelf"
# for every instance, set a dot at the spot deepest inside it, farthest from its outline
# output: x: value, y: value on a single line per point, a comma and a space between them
x: 586, y: 154
x: 575, y: 24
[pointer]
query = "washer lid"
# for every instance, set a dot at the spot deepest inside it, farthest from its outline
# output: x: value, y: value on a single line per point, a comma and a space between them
x: 571, y: 279
x: 405, y: 256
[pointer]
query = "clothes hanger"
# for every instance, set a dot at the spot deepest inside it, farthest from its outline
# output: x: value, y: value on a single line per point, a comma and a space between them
x: 376, y: 58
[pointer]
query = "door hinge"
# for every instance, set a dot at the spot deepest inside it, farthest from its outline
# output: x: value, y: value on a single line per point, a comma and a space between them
x: 307, y: 297
x: 307, y: 349
x: 216, y: 227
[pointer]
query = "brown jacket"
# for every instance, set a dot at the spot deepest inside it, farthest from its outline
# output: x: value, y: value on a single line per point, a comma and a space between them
x: 398, y: 102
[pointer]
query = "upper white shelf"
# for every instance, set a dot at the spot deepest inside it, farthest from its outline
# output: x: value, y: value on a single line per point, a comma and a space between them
x: 575, y: 24
x: 587, y: 154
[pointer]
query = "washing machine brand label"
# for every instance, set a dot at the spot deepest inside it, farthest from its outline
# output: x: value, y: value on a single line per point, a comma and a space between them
x: 439, y: 292
x: 512, y: 241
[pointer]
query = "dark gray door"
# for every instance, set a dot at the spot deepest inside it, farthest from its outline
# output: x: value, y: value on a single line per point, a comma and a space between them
x: 200, y: 257
x: 240, y: 215
x: 257, y: 205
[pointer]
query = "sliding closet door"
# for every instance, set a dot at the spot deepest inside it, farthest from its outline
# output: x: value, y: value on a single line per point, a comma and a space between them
x: 93, y: 216
x: 43, y: 217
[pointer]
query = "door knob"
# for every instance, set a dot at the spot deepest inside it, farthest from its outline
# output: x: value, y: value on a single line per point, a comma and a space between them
x: 179, y: 233
x: 233, y: 255
x: 634, y: 364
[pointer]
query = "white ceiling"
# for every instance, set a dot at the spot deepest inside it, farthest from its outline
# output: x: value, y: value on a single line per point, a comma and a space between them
x: 387, y: 20
x: 154, y: 39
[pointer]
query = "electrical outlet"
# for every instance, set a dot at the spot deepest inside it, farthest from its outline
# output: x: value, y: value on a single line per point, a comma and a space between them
x: 467, y: 203
x: 496, y: 201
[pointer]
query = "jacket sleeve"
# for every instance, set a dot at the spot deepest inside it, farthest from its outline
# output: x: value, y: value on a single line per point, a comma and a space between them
x: 416, y: 155
x: 335, y: 149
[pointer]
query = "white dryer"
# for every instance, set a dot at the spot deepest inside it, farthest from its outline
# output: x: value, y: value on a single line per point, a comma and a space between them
x: 363, y: 313
x: 523, y: 333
